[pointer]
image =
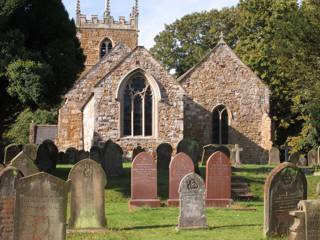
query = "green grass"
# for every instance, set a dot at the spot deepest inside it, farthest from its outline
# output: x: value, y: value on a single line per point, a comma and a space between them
x: 160, y: 224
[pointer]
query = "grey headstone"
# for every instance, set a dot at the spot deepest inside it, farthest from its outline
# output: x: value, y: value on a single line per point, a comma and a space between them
x: 47, y: 156
x: 8, y: 178
x: 112, y: 159
x: 192, y: 149
x: 88, y: 181
x: 40, y: 208
x: 207, y: 151
x: 10, y: 152
x: 31, y: 151
x: 83, y: 155
x: 303, y: 162
x: 164, y: 153
x: 95, y: 154
x: 136, y: 151
x: 192, y: 202
x: 285, y: 186
x: 24, y: 164
x: 274, y: 155
x: 294, y: 158
x: 312, y: 158
x: 72, y: 155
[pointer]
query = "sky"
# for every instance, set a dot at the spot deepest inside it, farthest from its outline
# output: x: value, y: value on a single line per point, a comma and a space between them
x: 154, y: 14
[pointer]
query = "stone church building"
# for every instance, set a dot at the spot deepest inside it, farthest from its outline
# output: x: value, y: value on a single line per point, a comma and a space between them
x: 128, y: 96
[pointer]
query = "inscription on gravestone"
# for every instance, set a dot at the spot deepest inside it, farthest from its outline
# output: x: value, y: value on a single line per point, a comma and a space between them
x: 8, y: 178
x: 40, y: 208
x: 180, y: 166
x: 285, y: 186
x: 88, y: 181
x: 192, y: 202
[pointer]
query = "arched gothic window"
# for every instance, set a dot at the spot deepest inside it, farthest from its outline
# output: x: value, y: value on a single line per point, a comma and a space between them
x: 105, y: 47
x: 220, y: 125
x: 137, y: 107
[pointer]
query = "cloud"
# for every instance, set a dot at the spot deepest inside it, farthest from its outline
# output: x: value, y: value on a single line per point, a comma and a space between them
x: 154, y: 14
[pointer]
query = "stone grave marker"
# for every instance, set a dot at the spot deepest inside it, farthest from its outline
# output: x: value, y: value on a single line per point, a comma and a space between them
x: 312, y: 158
x: 47, y: 156
x: 8, y: 177
x: 144, y: 190
x: 112, y: 159
x: 237, y: 150
x: 294, y: 158
x: 24, y: 164
x: 207, y: 151
x: 40, y: 208
x: 136, y: 151
x: 83, y: 155
x: 72, y: 155
x: 274, y: 155
x: 95, y: 154
x: 285, y: 186
x: 192, y: 202
x: 164, y: 153
x: 31, y: 151
x: 306, y: 221
x: 180, y: 166
x: 10, y: 152
x: 192, y: 149
x: 218, y: 181
x: 88, y: 181
x: 303, y: 162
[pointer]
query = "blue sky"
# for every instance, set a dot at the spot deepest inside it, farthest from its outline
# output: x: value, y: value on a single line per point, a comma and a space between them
x: 153, y: 13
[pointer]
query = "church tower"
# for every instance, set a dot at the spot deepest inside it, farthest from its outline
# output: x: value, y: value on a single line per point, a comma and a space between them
x: 99, y: 36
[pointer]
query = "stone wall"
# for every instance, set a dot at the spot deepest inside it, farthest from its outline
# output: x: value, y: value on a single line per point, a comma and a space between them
x: 221, y: 78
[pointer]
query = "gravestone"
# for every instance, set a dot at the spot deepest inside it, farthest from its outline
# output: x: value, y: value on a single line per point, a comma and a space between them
x: 237, y: 150
x: 306, y: 221
x: 164, y: 153
x: 144, y: 182
x: 112, y: 159
x: 10, y: 152
x: 294, y: 158
x: 312, y: 158
x: 72, y: 155
x: 180, y: 166
x: 47, y: 156
x: 8, y: 177
x: 303, y: 162
x: 192, y: 202
x: 218, y: 181
x: 83, y: 155
x: 40, y: 208
x: 285, y: 186
x: 207, y: 151
x: 31, y: 151
x: 274, y: 155
x: 136, y: 151
x: 95, y: 154
x: 24, y: 164
x: 192, y: 149
x: 88, y: 181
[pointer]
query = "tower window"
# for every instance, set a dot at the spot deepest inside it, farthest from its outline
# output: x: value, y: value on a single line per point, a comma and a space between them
x: 105, y: 47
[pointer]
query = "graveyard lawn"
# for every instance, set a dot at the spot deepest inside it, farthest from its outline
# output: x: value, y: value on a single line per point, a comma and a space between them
x: 241, y: 222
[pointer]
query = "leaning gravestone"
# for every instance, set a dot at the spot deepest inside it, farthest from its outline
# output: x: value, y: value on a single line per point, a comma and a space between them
x: 306, y: 221
x: 285, y: 186
x: 88, y: 181
x: 144, y: 182
x: 180, y: 166
x: 218, y: 181
x: 10, y: 152
x: 47, y: 156
x: 95, y: 154
x: 31, y: 151
x: 312, y: 158
x: 192, y: 202
x: 164, y: 153
x: 73, y: 155
x: 136, y: 151
x: 192, y: 149
x: 274, y: 155
x: 207, y: 151
x: 8, y: 177
x: 40, y: 208
x: 112, y: 159
x: 24, y: 164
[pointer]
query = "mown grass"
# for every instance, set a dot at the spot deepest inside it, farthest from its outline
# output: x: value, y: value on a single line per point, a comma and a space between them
x: 160, y: 224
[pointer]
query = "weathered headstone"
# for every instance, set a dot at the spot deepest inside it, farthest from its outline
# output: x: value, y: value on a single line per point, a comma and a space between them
x: 274, y: 155
x: 24, y: 164
x: 312, y: 158
x: 95, y: 154
x: 112, y: 159
x: 88, y: 181
x: 192, y: 202
x: 306, y: 221
x: 47, y: 156
x: 294, y: 158
x: 285, y: 186
x: 8, y: 177
x: 218, y: 181
x: 192, y: 149
x: 73, y: 155
x: 31, y: 151
x: 136, y: 151
x: 207, y: 151
x: 144, y: 191
x: 40, y: 208
x: 164, y: 153
x: 83, y: 155
x: 180, y: 166
x: 303, y: 162
x: 10, y: 152
x: 237, y: 150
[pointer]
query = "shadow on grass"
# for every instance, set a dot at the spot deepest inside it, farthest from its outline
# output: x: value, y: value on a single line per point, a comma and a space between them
x: 234, y: 226
x: 255, y: 170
